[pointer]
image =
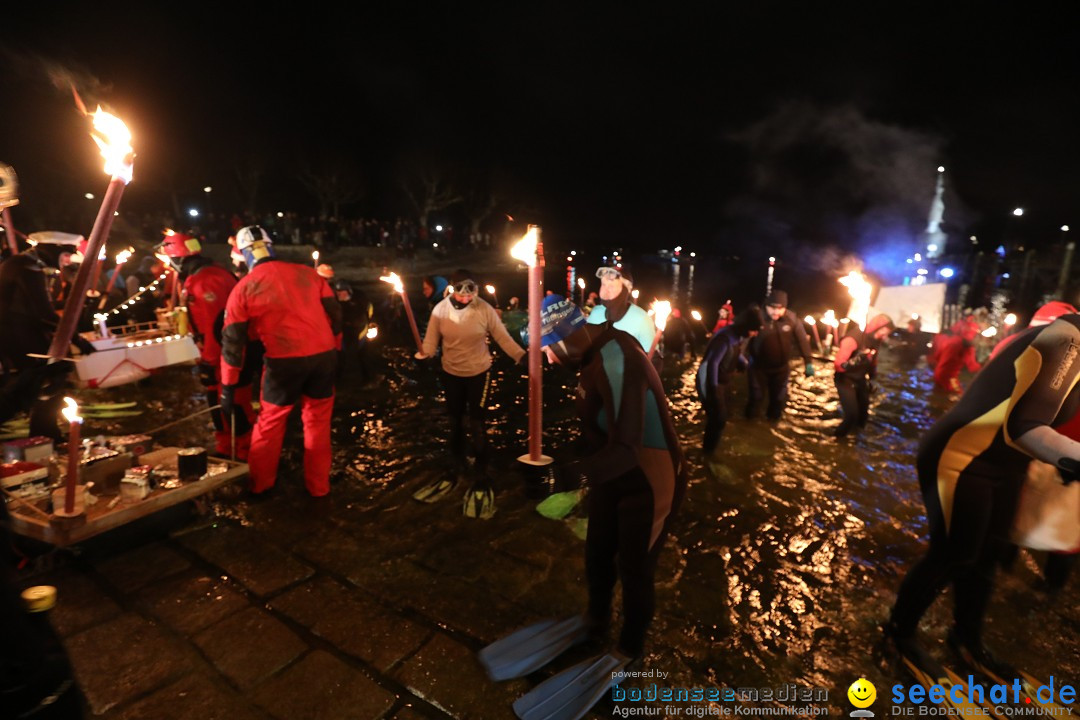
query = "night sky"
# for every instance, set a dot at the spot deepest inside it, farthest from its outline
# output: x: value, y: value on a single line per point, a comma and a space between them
x: 754, y: 126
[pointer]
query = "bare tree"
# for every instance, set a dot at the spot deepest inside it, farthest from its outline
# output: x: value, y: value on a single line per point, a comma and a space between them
x: 334, y: 183
x: 429, y: 189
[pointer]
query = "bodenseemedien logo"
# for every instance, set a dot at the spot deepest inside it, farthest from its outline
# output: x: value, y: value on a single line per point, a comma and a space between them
x: 862, y: 695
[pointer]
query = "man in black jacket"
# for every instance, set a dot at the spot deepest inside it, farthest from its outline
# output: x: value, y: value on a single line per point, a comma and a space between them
x: 770, y: 353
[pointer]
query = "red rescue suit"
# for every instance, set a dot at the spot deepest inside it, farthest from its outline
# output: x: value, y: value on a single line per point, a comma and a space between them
x: 206, y: 288
x: 294, y: 314
x: 952, y: 353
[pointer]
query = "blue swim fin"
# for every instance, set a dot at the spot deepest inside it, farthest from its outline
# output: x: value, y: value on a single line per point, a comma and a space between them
x: 572, y: 693
x: 532, y: 647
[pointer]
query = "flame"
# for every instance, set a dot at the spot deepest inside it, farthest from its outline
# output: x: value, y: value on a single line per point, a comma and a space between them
x: 860, y: 291
x: 635, y: 293
x: 525, y: 250
x: 490, y: 289
x: 124, y: 255
x: 661, y: 309
x: 989, y: 332
x: 114, y: 140
x: 315, y: 255
x: 581, y: 283
x: 696, y: 314
x: 71, y: 411
x: 829, y: 318
x: 394, y: 280
x: 1010, y: 319
x: 372, y: 332
x: 809, y: 320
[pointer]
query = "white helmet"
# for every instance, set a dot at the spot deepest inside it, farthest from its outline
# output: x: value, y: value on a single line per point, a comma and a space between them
x: 248, y: 236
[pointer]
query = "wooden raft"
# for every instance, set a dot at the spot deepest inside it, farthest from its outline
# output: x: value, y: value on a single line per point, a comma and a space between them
x: 100, y: 518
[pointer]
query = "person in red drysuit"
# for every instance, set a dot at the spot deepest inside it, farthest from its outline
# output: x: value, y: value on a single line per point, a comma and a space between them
x: 954, y: 352
x: 294, y: 314
x: 204, y: 289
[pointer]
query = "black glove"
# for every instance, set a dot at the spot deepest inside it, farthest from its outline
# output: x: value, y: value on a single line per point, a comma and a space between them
x: 1069, y: 469
x: 227, y: 399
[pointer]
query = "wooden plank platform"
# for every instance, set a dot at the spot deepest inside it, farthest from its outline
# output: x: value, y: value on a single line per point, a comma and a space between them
x: 100, y: 518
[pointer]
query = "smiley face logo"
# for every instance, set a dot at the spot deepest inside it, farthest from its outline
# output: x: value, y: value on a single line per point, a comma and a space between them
x: 862, y: 693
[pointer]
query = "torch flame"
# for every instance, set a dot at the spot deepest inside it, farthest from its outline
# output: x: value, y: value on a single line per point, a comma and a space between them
x: 860, y: 291
x: 314, y: 254
x: 829, y: 318
x: 809, y: 320
x: 696, y: 314
x: 989, y: 332
x: 372, y: 332
x: 71, y: 411
x: 1010, y: 319
x: 114, y: 140
x: 123, y: 256
x: 525, y: 249
x: 490, y: 289
x: 394, y: 280
x: 661, y: 309
x: 581, y: 283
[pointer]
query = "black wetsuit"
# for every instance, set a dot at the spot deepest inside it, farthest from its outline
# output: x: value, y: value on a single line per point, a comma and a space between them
x: 970, y: 471
x: 720, y: 360
x: 636, y: 480
x: 770, y: 354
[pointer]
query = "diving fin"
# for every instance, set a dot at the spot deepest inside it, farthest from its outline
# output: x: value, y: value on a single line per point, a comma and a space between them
x: 572, y: 693
x: 928, y: 672
x: 531, y: 648
x: 479, y: 502
x: 1000, y: 673
x: 435, y: 491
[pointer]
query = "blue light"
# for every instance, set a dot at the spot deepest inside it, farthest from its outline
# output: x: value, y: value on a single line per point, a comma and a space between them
x: 946, y: 272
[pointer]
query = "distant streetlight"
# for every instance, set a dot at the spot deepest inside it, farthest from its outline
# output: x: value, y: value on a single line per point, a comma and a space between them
x: 1064, y: 228
x: 1018, y: 212
x: 941, y: 168
x: 438, y: 228
x: 947, y: 272
x: 207, y: 189
x: 281, y: 214
x: 89, y: 196
x: 193, y: 212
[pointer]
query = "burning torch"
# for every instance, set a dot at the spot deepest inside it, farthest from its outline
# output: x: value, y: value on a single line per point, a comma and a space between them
x: 530, y: 251
x: 399, y: 288
x: 829, y: 321
x: 809, y: 320
x: 491, y: 291
x: 860, y: 290
x: 661, y: 309
x: 71, y: 414
x: 114, y: 140
x: 581, y: 287
x: 315, y: 258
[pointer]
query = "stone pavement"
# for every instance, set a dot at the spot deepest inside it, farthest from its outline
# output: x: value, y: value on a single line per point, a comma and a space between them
x: 359, y: 605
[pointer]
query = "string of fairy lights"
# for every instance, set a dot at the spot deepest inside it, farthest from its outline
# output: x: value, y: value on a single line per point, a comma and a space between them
x: 131, y: 300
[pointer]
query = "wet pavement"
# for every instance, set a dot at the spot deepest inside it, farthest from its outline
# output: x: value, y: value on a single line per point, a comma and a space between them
x: 783, y: 563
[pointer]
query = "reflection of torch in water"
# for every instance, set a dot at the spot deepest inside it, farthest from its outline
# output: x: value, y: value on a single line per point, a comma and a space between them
x: 809, y: 319
x: 860, y: 290
x: 769, y: 277
x: 71, y: 414
x: 491, y: 291
x: 114, y: 140
x: 121, y: 258
x: 399, y: 288
x: 581, y: 287
x: 660, y: 309
x: 530, y: 251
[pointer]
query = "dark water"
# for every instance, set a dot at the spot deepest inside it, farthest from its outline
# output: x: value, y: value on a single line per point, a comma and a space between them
x: 783, y: 562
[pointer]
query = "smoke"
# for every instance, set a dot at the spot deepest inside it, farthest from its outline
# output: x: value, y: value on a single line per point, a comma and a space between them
x: 834, y: 190
x: 65, y: 78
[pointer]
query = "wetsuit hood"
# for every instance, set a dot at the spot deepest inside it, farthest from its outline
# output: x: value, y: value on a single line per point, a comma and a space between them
x: 878, y: 322
x: 616, y: 308
x: 748, y: 321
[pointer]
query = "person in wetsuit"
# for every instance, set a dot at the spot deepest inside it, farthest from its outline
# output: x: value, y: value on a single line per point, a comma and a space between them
x: 856, y: 365
x: 770, y: 354
x: 723, y: 356
x: 971, y: 464
x: 617, y: 308
x: 635, y: 470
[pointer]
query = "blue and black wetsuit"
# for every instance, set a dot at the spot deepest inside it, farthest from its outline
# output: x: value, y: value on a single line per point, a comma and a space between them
x: 636, y: 476
x: 720, y: 360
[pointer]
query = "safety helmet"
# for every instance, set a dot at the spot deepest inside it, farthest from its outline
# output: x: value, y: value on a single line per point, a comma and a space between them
x: 179, y: 245
x: 1050, y: 312
x: 325, y: 271
x: 248, y: 236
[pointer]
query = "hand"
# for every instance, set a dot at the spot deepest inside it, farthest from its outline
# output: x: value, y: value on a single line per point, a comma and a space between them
x: 810, y: 370
x: 420, y: 356
x: 226, y: 398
